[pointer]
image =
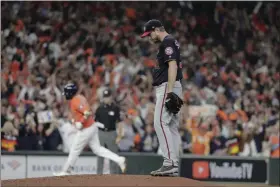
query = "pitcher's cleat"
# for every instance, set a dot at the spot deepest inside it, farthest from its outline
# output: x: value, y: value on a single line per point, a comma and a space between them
x: 166, y: 171
x: 153, y: 172
x: 167, y: 175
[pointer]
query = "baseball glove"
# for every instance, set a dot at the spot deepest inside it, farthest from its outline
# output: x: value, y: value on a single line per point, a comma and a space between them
x: 173, y: 103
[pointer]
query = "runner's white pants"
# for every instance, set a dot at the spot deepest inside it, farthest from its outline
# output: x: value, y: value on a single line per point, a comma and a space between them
x: 88, y: 136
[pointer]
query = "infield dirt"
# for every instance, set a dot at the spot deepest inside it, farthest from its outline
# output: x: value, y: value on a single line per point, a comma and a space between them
x: 108, y: 180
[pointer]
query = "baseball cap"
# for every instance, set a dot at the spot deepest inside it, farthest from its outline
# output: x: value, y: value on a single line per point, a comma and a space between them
x: 150, y: 26
x: 107, y: 93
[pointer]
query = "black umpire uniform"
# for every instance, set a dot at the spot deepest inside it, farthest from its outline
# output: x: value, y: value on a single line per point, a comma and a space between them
x: 108, y: 113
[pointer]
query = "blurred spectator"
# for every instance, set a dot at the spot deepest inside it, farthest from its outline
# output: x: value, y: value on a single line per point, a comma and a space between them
x: 9, y: 137
x: 126, y: 133
x: 217, y: 144
x: 149, y: 141
x: 186, y: 138
x: 274, y: 141
x: 53, y: 137
x: 249, y: 144
x: 201, y: 137
x: 233, y: 139
x: 3, y: 115
x: 230, y: 55
x: 28, y: 138
x: 138, y: 122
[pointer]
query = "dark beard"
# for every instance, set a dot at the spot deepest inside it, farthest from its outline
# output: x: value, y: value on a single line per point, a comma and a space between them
x: 156, y: 41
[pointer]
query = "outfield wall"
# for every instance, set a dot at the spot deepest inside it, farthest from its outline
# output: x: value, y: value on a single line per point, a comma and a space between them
x: 31, y: 164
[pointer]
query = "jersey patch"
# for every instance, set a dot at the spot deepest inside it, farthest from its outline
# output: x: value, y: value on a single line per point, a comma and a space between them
x: 168, y: 51
x: 177, y: 44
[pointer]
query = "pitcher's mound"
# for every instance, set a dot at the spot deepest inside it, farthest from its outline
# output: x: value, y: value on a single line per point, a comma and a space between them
x: 107, y: 180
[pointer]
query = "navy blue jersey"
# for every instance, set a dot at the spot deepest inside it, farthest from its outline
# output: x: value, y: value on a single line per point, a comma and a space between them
x: 169, y: 50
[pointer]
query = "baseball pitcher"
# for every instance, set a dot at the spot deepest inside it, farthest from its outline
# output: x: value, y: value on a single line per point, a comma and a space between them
x: 167, y: 77
x: 87, y: 132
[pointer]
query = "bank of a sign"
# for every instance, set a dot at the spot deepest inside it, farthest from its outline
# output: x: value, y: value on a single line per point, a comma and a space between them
x: 43, y: 166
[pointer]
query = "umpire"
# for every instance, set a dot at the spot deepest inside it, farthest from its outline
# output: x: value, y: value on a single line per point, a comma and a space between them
x: 167, y: 76
x: 108, y: 113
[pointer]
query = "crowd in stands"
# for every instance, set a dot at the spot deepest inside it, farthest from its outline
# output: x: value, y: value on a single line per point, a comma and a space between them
x: 230, y: 53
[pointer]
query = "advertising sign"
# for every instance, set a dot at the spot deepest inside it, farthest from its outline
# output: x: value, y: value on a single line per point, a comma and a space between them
x: 43, y: 166
x: 235, y: 170
x: 13, y: 167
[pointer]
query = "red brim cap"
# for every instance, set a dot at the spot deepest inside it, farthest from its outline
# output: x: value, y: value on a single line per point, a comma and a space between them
x: 146, y: 34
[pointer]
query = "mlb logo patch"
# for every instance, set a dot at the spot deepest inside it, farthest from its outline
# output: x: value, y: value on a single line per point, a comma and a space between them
x: 168, y: 51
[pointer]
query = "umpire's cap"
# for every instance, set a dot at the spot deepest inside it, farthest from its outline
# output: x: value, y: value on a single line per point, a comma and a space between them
x: 150, y: 26
x: 107, y: 93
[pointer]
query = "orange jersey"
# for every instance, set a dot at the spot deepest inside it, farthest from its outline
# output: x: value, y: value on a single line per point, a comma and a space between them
x: 79, y: 105
x: 201, y: 142
x: 275, y: 149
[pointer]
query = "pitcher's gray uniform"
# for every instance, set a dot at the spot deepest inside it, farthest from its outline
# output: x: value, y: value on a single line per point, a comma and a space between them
x: 166, y: 124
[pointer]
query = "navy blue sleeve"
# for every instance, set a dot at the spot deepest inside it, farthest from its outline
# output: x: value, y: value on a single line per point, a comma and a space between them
x: 170, y: 51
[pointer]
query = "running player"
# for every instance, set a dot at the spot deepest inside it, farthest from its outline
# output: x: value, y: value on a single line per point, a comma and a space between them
x: 87, y: 132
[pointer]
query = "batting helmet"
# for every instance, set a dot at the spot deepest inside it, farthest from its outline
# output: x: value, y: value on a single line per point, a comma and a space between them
x: 70, y: 90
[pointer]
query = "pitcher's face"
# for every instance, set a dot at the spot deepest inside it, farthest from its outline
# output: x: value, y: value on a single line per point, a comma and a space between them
x: 154, y: 37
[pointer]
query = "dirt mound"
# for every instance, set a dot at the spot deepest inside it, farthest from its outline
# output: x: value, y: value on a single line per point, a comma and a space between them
x: 107, y: 180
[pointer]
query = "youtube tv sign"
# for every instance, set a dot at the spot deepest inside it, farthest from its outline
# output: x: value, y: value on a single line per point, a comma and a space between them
x: 200, y: 170
x: 228, y: 170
